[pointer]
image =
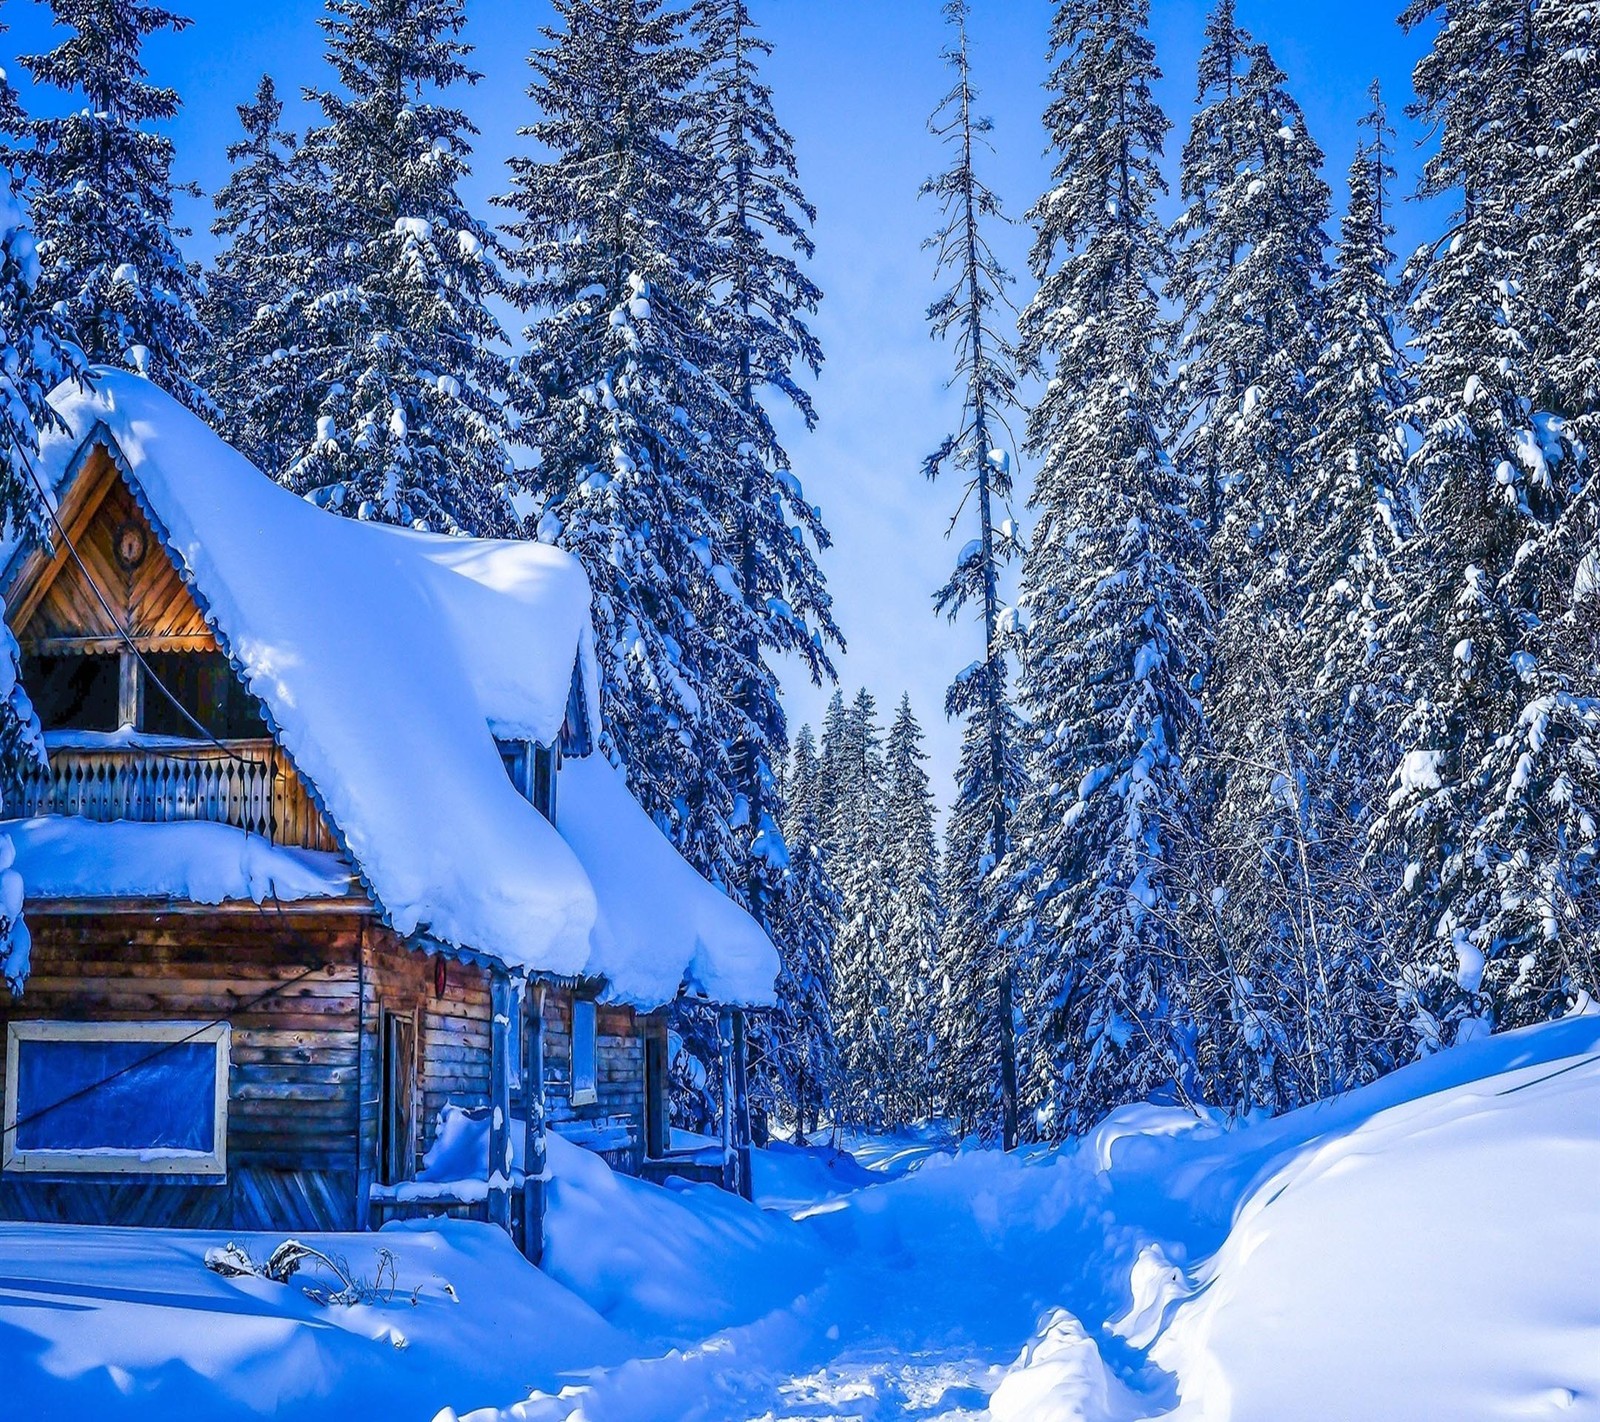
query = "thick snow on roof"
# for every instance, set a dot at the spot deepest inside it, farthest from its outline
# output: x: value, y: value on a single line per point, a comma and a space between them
x: 648, y: 895
x: 65, y: 857
x: 388, y: 660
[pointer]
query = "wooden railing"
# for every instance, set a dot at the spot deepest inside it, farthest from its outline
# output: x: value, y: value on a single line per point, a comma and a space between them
x: 248, y: 784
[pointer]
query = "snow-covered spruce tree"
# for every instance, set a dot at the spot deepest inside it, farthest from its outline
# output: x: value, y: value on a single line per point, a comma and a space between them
x: 911, y: 954
x: 1567, y: 187
x: 620, y: 391
x: 856, y: 854
x: 99, y: 182
x: 804, y: 918
x: 969, y: 989
x: 1494, y: 805
x: 253, y: 299
x: 1332, y: 999
x: 1246, y: 279
x: 403, y: 358
x: 982, y: 1067
x: 1117, y: 626
x: 1245, y: 276
x: 33, y: 360
x: 757, y: 224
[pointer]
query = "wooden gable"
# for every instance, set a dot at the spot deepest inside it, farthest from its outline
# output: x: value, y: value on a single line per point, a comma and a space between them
x: 54, y: 606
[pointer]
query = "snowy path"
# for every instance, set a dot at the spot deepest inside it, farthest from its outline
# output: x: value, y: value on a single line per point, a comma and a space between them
x: 1424, y: 1248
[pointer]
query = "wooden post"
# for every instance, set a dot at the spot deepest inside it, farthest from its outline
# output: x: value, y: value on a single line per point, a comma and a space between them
x: 501, y: 1006
x: 366, y: 1148
x: 534, y: 1156
x: 730, y: 1157
x: 741, y: 1111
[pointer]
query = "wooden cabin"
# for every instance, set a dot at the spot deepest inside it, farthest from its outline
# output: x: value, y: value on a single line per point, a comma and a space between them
x: 320, y: 851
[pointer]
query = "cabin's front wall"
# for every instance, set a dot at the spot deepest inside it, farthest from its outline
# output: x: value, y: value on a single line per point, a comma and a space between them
x: 287, y: 985
x: 305, y: 995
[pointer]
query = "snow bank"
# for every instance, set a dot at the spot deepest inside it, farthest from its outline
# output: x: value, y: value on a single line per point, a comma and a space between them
x: 122, y: 1323
x: 389, y: 660
x: 1423, y: 1248
x: 62, y: 857
x: 667, y: 1263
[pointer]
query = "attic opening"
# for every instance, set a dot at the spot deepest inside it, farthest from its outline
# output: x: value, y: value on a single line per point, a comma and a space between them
x: 533, y: 767
x: 105, y: 621
x: 187, y: 695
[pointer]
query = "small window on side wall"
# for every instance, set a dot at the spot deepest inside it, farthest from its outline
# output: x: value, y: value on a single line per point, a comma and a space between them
x: 584, y: 1090
x: 116, y: 1098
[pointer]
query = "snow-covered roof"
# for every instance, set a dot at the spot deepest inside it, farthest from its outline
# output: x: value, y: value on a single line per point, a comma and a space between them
x: 646, y: 891
x: 388, y: 661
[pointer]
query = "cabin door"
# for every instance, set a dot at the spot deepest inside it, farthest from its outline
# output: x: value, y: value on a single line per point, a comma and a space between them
x: 655, y: 1097
x: 397, y: 1107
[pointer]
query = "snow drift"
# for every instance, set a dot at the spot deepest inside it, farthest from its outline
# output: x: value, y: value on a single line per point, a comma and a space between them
x: 1423, y: 1248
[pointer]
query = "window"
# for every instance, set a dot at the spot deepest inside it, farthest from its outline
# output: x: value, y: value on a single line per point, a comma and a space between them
x: 148, y: 1098
x: 73, y: 692
x: 205, y: 685
x: 514, y: 756
x: 583, y: 1055
x: 544, y: 781
x: 100, y: 692
x: 532, y: 769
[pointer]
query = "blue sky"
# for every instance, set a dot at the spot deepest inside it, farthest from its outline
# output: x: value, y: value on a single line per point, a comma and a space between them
x: 854, y: 81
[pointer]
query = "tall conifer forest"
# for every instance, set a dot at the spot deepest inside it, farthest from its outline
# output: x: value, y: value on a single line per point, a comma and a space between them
x: 1273, y: 612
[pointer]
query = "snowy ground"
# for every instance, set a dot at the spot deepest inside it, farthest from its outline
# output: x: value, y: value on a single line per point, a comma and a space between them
x: 1426, y: 1248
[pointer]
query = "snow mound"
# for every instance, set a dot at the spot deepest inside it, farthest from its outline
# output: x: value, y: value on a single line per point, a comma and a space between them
x: 63, y: 857
x: 125, y: 1323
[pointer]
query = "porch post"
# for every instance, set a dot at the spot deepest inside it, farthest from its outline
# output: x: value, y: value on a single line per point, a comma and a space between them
x: 730, y: 1158
x: 741, y: 1110
x: 501, y: 1006
x: 534, y: 1157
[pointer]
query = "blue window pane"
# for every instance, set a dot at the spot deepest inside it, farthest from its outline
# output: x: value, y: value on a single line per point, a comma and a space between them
x: 583, y: 1025
x: 116, y: 1096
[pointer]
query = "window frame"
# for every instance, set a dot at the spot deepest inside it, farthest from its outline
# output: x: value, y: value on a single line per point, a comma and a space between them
x: 112, y: 1162
x: 588, y: 1094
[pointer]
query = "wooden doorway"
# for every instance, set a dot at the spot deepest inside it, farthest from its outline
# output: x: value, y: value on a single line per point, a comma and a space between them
x: 397, y: 1102
x: 655, y: 1097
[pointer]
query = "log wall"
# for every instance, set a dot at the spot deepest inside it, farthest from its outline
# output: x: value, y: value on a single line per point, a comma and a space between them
x: 304, y: 993
x: 292, y: 1117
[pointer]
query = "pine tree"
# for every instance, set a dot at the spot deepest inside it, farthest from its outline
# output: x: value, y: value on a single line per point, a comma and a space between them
x: 253, y: 370
x: 805, y: 917
x: 100, y: 184
x: 911, y: 954
x: 1245, y: 279
x: 1331, y: 964
x: 640, y: 441
x: 34, y: 358
x: 757, y: 223
x: 987, y: 785
x: 969, y: 1008
x: 855, y: 852
x: 403, y: 356
x: 1494, y: 805
x: 1117, y: 627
